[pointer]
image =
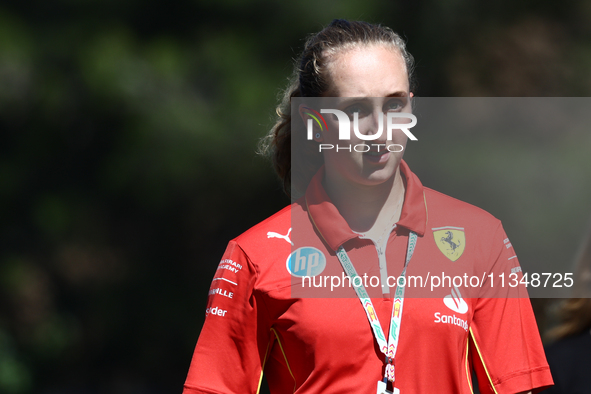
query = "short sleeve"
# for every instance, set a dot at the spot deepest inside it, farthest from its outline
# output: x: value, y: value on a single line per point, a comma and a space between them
x: 505, y: 345
x: 231, y: 348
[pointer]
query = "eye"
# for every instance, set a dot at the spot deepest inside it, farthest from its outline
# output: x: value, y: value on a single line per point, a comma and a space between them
x: 394, y: 105
x: 356, y: 108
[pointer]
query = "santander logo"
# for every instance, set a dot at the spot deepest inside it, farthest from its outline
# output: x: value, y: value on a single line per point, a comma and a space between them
x: 455, y: 302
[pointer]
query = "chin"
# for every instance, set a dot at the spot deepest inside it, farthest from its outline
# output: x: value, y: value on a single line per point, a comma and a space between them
x: 382, y: 175
x: 378, y: 178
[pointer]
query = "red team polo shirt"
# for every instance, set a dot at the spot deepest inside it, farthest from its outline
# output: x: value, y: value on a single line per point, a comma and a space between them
x: 314, y: 340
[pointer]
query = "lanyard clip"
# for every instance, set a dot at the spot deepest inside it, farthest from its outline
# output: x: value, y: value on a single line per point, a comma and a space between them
x: 389, y: 372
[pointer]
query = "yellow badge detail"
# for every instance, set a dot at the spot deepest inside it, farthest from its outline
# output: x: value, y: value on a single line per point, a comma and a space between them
x: 451, y: 241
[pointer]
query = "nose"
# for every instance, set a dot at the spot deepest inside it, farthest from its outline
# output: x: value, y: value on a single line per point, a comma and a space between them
x: 372, y: 126
x: 377, y: 125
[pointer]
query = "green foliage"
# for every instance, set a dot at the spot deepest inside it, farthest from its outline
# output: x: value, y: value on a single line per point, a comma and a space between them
x: 128, y: 132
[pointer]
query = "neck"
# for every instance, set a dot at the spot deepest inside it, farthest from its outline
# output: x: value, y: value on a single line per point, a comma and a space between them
x: 368, y: 209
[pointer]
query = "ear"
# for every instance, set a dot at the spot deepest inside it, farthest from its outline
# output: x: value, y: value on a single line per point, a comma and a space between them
x: 316, y: 134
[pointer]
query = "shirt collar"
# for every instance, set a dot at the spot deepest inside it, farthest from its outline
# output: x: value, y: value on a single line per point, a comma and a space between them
x: 335, y: 230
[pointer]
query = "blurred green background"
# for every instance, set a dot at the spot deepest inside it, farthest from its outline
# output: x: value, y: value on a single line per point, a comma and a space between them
x: 127, y: 138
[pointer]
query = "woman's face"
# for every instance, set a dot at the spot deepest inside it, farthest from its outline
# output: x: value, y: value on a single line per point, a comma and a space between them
x: 374, y: 82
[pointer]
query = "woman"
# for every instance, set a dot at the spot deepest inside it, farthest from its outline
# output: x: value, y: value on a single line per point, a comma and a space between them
x: 363, y: 212
x: 570, y: 355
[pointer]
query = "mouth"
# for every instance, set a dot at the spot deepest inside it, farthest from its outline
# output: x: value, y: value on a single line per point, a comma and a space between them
x: 377, y: 157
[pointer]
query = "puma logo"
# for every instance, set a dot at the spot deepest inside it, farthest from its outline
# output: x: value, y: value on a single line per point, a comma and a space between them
x: 272, y: 234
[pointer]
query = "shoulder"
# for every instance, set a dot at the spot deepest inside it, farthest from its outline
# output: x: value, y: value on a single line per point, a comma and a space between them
x: 570, y: 362
x: 270, y: 240
x: 569, y: 347
x: 275, y: 226
x: 267, y: 246
x: 443, y: 208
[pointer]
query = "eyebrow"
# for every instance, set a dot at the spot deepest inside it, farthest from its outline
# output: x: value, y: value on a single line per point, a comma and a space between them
x: 398, y: 94
x: 349, y: 100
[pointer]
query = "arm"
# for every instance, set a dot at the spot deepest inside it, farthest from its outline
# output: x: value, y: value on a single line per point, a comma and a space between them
x: 231, y: 348
x: 506, y: 347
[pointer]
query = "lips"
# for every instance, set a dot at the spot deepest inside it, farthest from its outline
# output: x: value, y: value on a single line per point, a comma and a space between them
x: 377, y: 157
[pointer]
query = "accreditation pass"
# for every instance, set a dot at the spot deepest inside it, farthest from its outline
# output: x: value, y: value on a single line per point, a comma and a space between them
x: 383, y: 390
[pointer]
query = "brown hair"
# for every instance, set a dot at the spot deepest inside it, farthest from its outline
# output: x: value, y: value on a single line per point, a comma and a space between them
x: 310, y: 79
x: 575, y: 313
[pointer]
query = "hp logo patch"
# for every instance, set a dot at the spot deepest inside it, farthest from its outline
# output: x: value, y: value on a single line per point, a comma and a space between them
x: 306, y: 261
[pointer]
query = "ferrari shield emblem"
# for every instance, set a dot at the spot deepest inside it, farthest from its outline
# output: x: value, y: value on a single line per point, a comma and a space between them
x: 451, y: 241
